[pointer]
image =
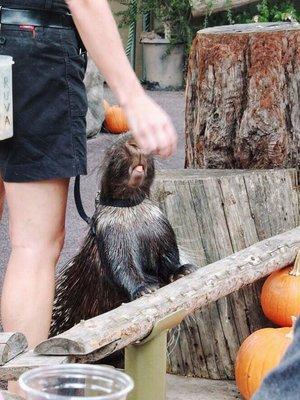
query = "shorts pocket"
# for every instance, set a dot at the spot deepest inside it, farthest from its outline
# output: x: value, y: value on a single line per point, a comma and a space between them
x: 76, y: 67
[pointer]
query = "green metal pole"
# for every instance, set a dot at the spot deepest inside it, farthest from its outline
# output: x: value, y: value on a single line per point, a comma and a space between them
x: 146, y: 28
x: 147, y: 365
x: 146, y: 22
x: 146, y: 361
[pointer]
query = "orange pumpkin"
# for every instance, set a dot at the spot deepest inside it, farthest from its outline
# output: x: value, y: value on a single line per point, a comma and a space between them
x: 280, y: 297
x: 115, y: 119
x: 259, y: 353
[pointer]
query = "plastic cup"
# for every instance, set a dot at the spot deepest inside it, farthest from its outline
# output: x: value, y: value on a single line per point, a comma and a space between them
x: 6, y: 99
x: 75, y: 381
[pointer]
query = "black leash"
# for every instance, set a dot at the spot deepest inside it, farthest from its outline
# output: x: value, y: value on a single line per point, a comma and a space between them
x: 78, y: 202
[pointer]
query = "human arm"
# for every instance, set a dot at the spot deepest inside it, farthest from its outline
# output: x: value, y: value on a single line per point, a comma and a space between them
x: 150, y: 125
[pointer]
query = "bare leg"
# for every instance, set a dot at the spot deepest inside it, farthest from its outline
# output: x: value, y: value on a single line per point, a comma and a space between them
x: 37, y: 228
x: 2, y: 197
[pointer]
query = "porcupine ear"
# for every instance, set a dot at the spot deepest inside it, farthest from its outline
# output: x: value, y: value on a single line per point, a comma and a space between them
x: 73, y: 302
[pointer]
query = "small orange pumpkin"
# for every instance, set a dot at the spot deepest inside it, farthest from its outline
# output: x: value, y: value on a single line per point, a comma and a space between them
x: 258, y: 355
x: 115, y: 119
x: 280, y: 296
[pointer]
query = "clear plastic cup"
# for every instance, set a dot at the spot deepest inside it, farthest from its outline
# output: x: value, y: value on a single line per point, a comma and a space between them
x: 6, y: 99
x: 75, y: 381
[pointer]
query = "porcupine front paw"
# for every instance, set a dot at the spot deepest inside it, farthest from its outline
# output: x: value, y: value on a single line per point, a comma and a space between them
x: 144, y: 290
x: 182, y: 271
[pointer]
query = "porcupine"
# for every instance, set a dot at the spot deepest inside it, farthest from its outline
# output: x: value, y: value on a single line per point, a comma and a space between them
x: 131, y: 249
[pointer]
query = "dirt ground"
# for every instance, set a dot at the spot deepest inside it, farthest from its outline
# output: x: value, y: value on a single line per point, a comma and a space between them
x: 181, y: 388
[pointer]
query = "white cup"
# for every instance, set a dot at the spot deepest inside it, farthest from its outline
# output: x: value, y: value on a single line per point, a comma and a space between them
x: 75, y: 382
x: 6, y: 99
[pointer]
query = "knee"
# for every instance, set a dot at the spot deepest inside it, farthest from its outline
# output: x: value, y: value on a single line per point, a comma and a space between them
x: 40, y: 248
x: 56, y: 244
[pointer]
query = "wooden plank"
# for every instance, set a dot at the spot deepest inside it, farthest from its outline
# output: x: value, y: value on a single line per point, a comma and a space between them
x: 259, y: 205
x: 202, y: 7
x: 206, y: 232
x: 192, y: 174
x: 196, y: 349
x: 242, y: 231
x: 226, y: 332
x: 133, y: 321
x: 272, y: 200
x: 295, y: 182
x: 26, y: 361
x: 182, y: 216
x: 205, y: 326
x: 241, y: 225
x: 11, y: 345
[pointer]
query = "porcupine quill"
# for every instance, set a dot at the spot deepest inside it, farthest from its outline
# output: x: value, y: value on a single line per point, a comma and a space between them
x: 134, y: 251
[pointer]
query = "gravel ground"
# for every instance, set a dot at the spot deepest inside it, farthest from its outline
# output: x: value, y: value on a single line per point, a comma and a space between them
x: 173, y: 103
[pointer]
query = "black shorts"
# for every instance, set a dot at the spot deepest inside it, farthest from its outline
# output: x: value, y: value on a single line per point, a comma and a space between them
x: 49, y: 102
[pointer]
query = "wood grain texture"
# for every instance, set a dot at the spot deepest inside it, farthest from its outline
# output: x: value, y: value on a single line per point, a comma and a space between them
x: 231, y: 210
x: 11, y: 345
x: 26, y: 361
x: 201, y: 7
x: 242, y: 103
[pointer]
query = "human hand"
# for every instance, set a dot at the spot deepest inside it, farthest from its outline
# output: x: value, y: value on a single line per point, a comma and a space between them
x: 151, y: 126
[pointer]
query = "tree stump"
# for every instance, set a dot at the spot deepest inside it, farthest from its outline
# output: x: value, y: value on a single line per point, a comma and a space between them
x: 243, y: 97
x: 215, y: 213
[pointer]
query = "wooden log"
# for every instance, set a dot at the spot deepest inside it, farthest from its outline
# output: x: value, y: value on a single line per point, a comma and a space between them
x: 133, y: 321
x: 26, y: 361
x: 202, y: 7
x: 11, y: 345
x: 242, y: 104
